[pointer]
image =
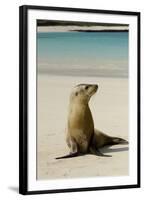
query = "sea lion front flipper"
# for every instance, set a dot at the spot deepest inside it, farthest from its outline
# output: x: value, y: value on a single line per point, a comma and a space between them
x: 71, y: 155
x: 73, y: 149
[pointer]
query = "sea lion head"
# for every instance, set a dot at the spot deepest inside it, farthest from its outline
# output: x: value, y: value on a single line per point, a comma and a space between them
x: 83, y: 92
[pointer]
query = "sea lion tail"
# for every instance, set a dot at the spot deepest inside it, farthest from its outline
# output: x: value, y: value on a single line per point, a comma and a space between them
x: 117, y: 140
x: 71, y: 155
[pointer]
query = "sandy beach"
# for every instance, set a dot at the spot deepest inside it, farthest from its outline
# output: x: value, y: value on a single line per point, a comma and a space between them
x: 110, y: 112
x: 73, y: 28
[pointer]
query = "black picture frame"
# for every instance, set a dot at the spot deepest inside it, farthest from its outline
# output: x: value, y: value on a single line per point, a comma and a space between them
x: 23, y: 98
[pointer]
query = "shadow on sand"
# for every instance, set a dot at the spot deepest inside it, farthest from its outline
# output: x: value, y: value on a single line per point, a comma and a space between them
x: 107, y: 149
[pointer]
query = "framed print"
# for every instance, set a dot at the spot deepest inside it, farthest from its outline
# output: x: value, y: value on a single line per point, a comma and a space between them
x: 79, y: 113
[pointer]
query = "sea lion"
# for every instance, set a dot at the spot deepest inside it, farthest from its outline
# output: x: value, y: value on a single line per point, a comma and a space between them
x: 81, y: 137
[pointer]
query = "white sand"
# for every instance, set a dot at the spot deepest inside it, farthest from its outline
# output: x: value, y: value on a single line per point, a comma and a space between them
x: 72, y: 28
x: 110, y: 112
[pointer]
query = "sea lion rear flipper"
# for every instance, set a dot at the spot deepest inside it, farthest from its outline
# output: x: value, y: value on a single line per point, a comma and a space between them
x: 117, y: 140
x: 97, y: 152
x: 101, y: 139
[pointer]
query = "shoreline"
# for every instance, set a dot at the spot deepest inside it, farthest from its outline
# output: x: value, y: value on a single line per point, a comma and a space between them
x: 45, y: 29
x: 68, y: 75
x: 93, y: 31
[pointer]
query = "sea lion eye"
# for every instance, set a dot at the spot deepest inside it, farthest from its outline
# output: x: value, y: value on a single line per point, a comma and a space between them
x: 76, y: 93
x: 86, y: 87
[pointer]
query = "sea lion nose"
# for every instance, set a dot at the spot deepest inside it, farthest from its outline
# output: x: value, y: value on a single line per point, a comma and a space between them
x: 96, y: 86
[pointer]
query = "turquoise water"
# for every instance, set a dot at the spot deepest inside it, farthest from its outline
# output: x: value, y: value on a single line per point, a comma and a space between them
x: 83, y: 53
